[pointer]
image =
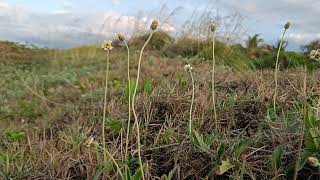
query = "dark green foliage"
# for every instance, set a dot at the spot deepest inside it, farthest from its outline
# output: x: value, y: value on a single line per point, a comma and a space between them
x: 159, y: 41
x: 286, y: 60
x: 277, y: 156
x: 13, y: 135
x: 185, y: 47
x: 147, y: 86
x: 131, y: 84
x: 114, y: 124
x: 313, y: 45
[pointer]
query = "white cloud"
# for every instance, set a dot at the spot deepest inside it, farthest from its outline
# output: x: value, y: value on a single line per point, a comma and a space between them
x: 115, y: 2
x: 59, y: 12
x: 303, y: 38
x: 64, y: 29
x: 4, y: 5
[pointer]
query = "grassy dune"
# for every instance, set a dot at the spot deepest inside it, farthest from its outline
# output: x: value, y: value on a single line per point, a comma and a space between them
x: 51, y: 104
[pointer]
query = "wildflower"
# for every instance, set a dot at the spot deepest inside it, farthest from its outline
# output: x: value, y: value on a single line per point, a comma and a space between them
x: 107, y: 45
x: 121, y: 36
x: 312, y: 161
x: 89, y: 142
x: 188, y: 67
x: 154, y: 25
x: 314, y: 55
x: 287, y: 25
x: 213, y: 27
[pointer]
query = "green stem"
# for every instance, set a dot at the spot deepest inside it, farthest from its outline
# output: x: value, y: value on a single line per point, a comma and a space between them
x: 136, y: 123
x: 129, y: 102
x: 276, y: 73
x: 191, y: 106
x: 105, y: 107
x: 213, y: 83
x: 303, y: 121
x: 114, y: 162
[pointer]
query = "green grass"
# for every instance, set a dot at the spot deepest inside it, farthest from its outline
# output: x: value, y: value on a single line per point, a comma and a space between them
x: 51, y: 108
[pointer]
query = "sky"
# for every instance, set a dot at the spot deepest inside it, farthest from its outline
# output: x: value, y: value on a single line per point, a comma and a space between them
x: 70, y: 23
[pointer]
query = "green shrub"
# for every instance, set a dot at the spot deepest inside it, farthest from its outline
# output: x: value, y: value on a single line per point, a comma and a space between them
x: 185, y: 46
x: 287, y: 60
x: 13, y: 135
x: 159, y: 40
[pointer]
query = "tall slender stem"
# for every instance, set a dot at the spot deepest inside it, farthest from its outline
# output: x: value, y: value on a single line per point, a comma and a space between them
x: 213, y: 83
x: 129, y: 102
x: 303, y: 122
x: 276, y: 73
x: 114, y: 161
x: 191, y: 106
x: 105, y: 107
x: 136, y: 123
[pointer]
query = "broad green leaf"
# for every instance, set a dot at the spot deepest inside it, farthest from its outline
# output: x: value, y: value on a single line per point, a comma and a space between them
x: 242, y: 169
x: 170, y: 175
x: 277, y: 156
x: 225, y: 166
x: 197, y: 140
x: 209, y: 139
x: 240, y: 147
x: 310, y: 120
x: 114, y: 124
x: 13, y: 135
x: 147, y: 86
x: 291, y: 167
x: 221, y: 151
x: 137, y: 175
x: 132, y: 84
x: 315, y: 134
x: 98, y: 173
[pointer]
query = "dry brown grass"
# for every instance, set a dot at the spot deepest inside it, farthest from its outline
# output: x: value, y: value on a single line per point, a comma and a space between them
x: 55, y: 145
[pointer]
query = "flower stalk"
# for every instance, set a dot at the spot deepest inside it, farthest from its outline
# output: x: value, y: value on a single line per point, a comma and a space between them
x: 121, y: 38
x: 286, y: 27
x: 213, y: 29
x: 107, y: 46
x: 153, y: 28
x: 303, y: 121
x: 188, y: 69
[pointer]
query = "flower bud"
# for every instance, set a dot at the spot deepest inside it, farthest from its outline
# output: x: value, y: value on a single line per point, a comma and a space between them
x: 213, y: 27
x: 312, y: 161
x: 154, y: 25
x: 287, y: 25
x: 121, y: 37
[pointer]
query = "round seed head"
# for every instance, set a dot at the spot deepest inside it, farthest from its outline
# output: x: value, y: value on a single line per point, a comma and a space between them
x: 121, y: 36
x: 107, y: 45
x: 287, y: 25
x: 154, y: 25
x: 213, y: 27
x: 188, y: 67
x: 312, y: 161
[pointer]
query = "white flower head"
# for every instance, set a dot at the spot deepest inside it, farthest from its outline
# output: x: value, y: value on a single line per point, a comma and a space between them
x: 107, y: 45
x: 188, y: 67
x: 312, y: 161
x: 89, y: 142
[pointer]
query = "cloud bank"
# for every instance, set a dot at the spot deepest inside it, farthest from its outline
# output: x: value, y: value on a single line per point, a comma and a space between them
x: 65, y: 27
x: 62, y: 28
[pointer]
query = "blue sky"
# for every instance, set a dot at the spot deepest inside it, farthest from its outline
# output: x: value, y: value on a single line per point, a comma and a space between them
x: 67, y: 23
